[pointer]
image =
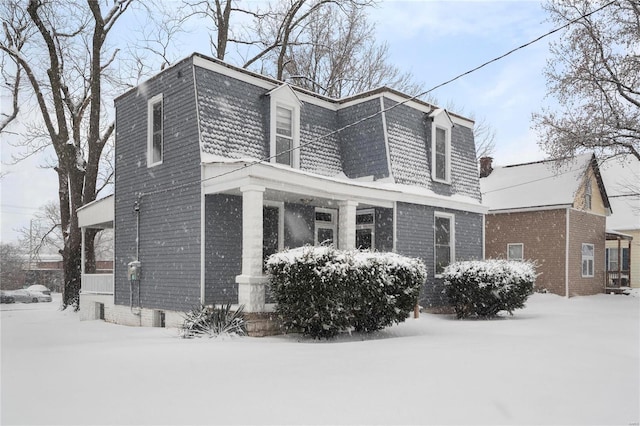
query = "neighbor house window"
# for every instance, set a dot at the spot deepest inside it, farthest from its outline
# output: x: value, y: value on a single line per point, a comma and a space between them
x: 155, y: 131
x: 444, y: 237
x: 612, y: 259
x: 441, y: 146
x: 587, y: 260
x: 284, y: 127
x: 515, y: 251
x: 587, y: 194
x: 365, y: 229
x: 326, y: 226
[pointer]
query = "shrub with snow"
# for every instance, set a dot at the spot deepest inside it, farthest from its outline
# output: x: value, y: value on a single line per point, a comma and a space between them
x: 321, y: 291
x: 484, y: 288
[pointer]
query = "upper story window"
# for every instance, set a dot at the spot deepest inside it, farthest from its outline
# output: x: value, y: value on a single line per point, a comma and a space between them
x: 588, y: 192
x: 441, y: 146
x: 285, y: 127
x: 444, y: 237
x: 155, y: 138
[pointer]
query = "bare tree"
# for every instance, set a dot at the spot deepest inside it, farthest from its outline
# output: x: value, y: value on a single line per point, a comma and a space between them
x: 60, y: 49
x: 594, y: 74
x: 336, y: 55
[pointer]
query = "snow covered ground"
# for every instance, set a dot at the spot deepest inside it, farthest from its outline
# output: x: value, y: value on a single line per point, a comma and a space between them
x: 558, y: 361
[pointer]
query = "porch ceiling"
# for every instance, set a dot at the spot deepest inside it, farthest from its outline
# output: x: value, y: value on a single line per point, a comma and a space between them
x: 97, y: 214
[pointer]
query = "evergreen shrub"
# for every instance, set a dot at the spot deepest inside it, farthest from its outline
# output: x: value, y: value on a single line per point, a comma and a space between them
x: 484, y: 288
x: 322, y: 291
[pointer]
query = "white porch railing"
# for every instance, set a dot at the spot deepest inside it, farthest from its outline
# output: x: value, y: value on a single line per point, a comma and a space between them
x: 97, y: 283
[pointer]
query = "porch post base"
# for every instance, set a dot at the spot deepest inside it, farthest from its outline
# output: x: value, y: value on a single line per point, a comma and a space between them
x: 251, y: 292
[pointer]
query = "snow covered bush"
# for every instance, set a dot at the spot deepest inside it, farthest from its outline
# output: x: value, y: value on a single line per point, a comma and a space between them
x: 484, y: 288
x: 212, y: 321
x: 321, y: 291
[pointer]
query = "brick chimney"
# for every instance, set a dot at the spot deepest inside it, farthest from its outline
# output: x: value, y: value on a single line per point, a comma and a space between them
x: 485, y: 166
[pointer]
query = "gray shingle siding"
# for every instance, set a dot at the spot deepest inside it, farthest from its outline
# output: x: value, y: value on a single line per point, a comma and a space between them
x: 363, y: 147
x: 319, y: 156
x: 409, y: 135
x: 223, y: 247
x: 383, y: 229
x: 233, y: 116
x: 415, y: 238
x: 407, y: 132
x: 169, y: 247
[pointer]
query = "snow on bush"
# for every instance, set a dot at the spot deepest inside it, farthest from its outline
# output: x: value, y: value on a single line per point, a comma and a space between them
x: 213, y: 321
x: 484, y: 288
x: 322, y: 291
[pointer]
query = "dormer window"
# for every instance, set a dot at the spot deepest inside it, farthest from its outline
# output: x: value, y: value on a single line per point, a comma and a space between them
x: 285, y: 127
x: 284, y: 135
x: 441, y: 146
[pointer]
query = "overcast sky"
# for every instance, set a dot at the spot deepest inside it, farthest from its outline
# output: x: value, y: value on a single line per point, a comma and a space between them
x: 435, y: 41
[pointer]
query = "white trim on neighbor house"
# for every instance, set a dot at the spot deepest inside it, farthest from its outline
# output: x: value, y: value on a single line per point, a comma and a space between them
x: 151, y: 103
x: 566, y: 252
x: 395, y: 226
x: 230, y: 175
x: 531, y: 209
x: 452, y: 238
x: 203, y: 234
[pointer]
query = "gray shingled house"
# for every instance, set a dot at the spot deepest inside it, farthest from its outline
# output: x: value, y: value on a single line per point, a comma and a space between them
x: 218, y: 167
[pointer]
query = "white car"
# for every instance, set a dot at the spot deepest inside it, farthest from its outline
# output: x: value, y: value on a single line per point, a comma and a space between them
x: 39, y: 288
x: 26, y: 296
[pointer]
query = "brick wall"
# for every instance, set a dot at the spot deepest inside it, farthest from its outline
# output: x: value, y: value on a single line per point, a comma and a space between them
x: 543, y: 235
x: 586, y: 228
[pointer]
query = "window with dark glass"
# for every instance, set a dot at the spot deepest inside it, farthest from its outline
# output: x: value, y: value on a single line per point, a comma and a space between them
x: 365, y: 229
x: 155, y: 129
x: 284, y: 135
x: 443, y: 231
x: 441, y: 154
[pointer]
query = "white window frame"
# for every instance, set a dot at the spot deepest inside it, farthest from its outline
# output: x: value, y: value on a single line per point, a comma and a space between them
x: 279, y: 100
x: 321, y: 224
x: 509, y: 251
x: 441, y: 120
x: 150, y: 104
x: 371, y: 226
x: 452, y: 239
x: 589, y: 260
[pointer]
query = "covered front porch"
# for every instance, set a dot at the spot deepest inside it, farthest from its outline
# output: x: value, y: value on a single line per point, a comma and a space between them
x: 253, y: 212
x: 618, y: 256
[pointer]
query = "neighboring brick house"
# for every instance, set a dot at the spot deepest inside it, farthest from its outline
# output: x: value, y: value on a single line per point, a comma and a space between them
x: 622, y: 178
x: 217, y: 167
x: 551, y: 214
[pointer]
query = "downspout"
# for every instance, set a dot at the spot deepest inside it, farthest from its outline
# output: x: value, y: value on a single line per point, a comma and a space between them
x: 566, y: 254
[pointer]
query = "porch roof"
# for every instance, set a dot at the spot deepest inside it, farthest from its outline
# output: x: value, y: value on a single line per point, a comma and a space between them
x: 614, y: 235
x: 97, y: 214
x: 283, y: 183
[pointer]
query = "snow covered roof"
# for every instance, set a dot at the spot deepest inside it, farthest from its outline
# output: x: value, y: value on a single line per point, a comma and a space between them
x: 622, y: 179
x: 534, y: 185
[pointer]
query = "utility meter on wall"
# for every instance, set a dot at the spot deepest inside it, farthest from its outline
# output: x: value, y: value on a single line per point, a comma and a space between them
x: 134, y: 270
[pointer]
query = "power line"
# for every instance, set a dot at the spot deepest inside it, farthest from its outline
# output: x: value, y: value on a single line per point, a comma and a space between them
x: 384, y: 110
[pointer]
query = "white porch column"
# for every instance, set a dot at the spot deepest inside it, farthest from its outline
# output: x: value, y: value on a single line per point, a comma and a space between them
x: 252, y: 282
x: 83, y: 259
x: 347, y: 225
